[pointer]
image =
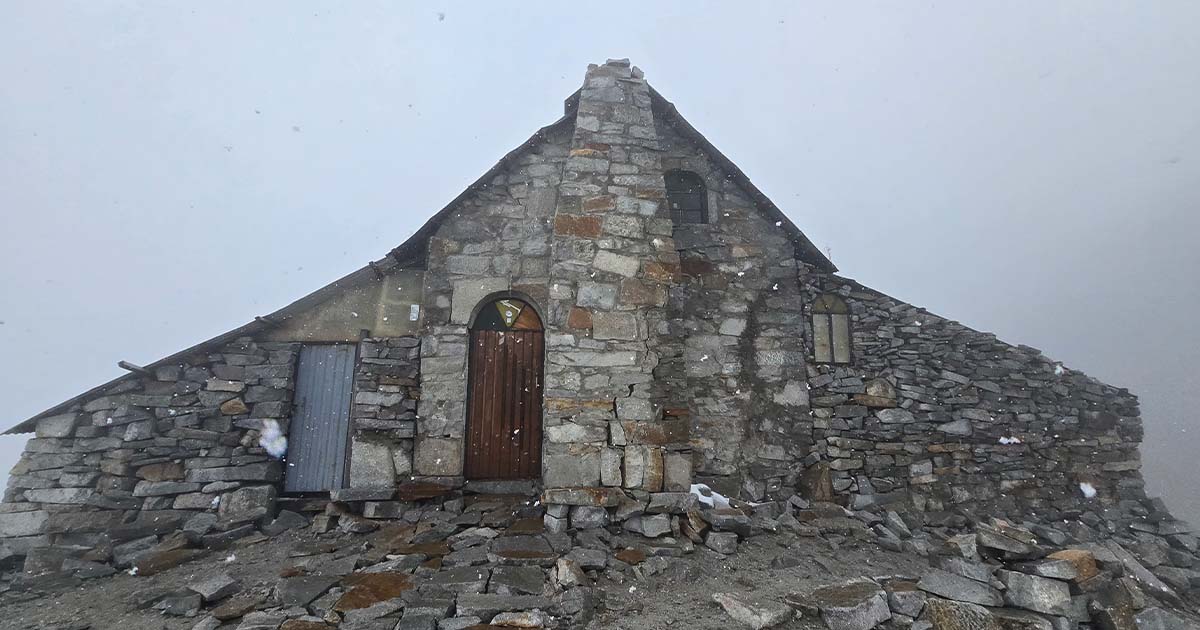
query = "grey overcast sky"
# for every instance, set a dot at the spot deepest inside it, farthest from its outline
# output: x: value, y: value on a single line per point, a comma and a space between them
x: 169, y: 170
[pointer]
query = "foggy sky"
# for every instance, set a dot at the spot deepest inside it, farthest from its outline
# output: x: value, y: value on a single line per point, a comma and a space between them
x: 170, y: 170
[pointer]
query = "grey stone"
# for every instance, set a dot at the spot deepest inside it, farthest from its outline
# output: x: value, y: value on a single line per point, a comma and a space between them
x: 59, y: 426
x: 286, y: 520
x: 571, y: 466
x: 438, y: 457
x: 488, y: 605
x: 751, y: 612
x: 956, y: 587
x: 721, y: 542
x: 125, y: 554
x: 1155, y: 618
x: 508, y: 580
x: 259, y: 471
x: 588, y: 517
x: 961, y: 426
x: 650, y: 526
x: 371, y: 464
x: 907, y: 601
x: 671, y: 502
x: 247, y: 504
x: 300, y: 590
x: 23, y: 523
x: 852, y: 605
x: 462, y: 579
x: 1035, y: 593
x: 610, y: 325
x: 86, y: 569
x: 957, y: 615
x: 259, y: 620
x: 215, y: 586
x: 596, y: 295
x: 161, y: 488
x: 60, y: 495
x: 895, y: 416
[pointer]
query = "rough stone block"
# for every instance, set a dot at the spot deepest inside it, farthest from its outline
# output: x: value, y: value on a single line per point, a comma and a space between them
x: 371, y: 464
x: 60, y: 426
x: 247, y: 504
x: 570, y: 466
x: 620, y: 326
x: 23, y: 523
x: 438, y: 457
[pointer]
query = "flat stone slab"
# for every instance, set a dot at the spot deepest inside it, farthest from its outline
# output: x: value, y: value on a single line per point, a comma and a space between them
x: 852, y: 605
x: 300, y: 591
x: 601, y: 497
x: 488, y: 605
x: 957, y: 587
x: 421, y: 490
x: 753, y: 613
x: 367, y: 589
x: 1035, y: 593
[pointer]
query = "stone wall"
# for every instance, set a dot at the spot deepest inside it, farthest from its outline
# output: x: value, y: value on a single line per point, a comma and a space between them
x: 737, y: 337
x: 947, y: 417
x: 496, y: 242
x: 162, y: 446
x: 384, y: 416
x: 612, y: 262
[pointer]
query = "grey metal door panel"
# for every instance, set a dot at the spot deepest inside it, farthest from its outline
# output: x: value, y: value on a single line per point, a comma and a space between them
x: 320, y: 427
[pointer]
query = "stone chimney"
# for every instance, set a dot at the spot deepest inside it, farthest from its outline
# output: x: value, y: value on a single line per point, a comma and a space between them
x: 612, y: 262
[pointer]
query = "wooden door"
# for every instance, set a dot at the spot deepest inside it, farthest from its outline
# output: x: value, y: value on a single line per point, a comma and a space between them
x: 320, y: 427
x: 504, y: 393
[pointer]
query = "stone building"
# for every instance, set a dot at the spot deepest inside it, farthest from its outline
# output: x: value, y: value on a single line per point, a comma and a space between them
x: 611, y: 314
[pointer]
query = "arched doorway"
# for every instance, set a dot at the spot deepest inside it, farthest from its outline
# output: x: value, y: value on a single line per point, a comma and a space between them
x: 504, y: 392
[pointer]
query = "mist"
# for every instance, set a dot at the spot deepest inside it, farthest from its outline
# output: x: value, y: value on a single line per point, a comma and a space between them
x: 169, y: 171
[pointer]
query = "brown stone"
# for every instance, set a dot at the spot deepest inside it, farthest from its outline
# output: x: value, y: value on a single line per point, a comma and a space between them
x: 237, y: 606
x: 695, y: 266
x: 1084, y: 561
x: 599, y: 204
x: 638, y: 293
x: 668, y: 431
x: 579, y: 319
x: 660, y: 272
x: 525, y: 527
x: 301, y: 624
x: 165, y: 471
x: 587, y: 152
x: 367, y: 589
x: 159, y: 561
x: 573, y: 404
x: 420, y: 490
x: 234, y: 407
x: 600, y: 497
x: 630, y: 556
x: 581, y: 226
x: 816, y: 484
x: 436, y: 548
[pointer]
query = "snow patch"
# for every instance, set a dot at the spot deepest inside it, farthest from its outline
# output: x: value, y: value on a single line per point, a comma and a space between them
x: 1010, y: 440
x: 708, y: 497
x: 1087, y: 489
x: 273, y: 439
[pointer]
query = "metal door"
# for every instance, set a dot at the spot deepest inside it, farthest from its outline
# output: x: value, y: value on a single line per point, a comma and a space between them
x: 504, y: 417
x: 320, y: 427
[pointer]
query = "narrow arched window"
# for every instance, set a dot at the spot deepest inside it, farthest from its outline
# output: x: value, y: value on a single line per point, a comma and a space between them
x: 687, y: 197
x: 831, y: 330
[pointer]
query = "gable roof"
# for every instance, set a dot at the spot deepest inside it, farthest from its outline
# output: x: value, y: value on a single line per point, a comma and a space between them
x: 412, y: 253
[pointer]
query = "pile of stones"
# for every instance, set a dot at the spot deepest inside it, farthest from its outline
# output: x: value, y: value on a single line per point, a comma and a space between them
x: 150, y: 544
x: 1001, y: 576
